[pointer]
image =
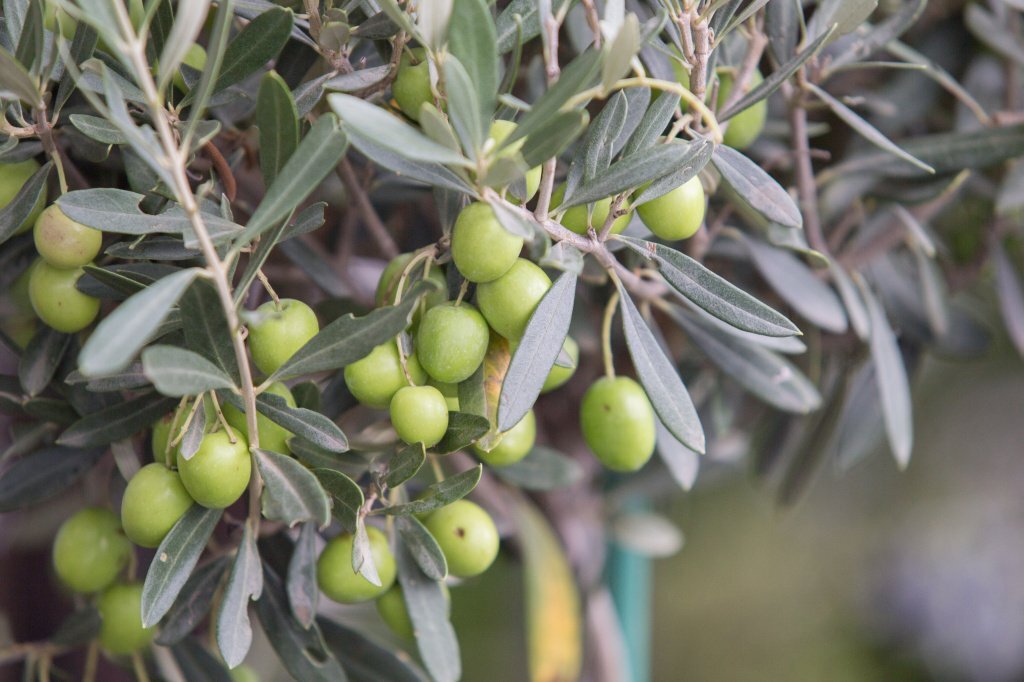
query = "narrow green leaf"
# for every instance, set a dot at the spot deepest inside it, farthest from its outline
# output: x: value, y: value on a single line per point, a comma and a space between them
x: 428, y: 610
x: 712, y: 293
x: 404, y: 465
x: 845, y: 14
x: 346, y: 495
x: 15, y: 82
x: 44, y: 474
x: 756, y: 188
x: 175, y: 558
x: 207, y: 331
x: 893, y: 384
x: 312, y: 426
x: 581, y: 73
x: 118, y: 421
x: 555, y: 137
x: 542, y: 469
x: 41, y: 358
x: 537, y: 351
x: 869, y: 39
x: 463, y: 107
x: 196, y: 662
x: 278, y: 121
x: 194, y: 434
x: 702, y: 151
x: 463, y: 430
x: 188, y: 21
x: 292, y: 493
x: 234, y: 632
x: 439, y: 494
x: 653, y: 124
x: 866, y: 130
x: 18, y: 210
x: 633, y: 171
x: 423, y: 547
x: 301, y: 650
x: 255, y: 45
x: 178, y: 372
x: 193, y: 602
x: 473, y: 41
x: 366, y: 661
x: 317, y: 155
x: 120, y: 335
x: 99, y: 129
x: 659, y: 377
x: 117, y: 210
x: 350, y: 338
x: 521, y: 20
x: 302, y: 588
x: 682, y: 462
x: 426, y: 172
x: 620, y: 52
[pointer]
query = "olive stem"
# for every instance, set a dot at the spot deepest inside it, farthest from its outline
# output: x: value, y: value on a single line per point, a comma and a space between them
x: 92, y: 659
x: 223, y: 420
x: 270, y: 290
x: 462, y: 292
x: 181, y: 432
x: 139, y: 666
x: 357, y: 193
x: 606, y: 333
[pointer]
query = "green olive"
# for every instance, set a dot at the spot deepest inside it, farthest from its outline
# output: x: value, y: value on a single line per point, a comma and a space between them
x: 13, y: 177
x: 375, y: 379
x: 677, y: 214
x: 392, y: 610
x: 508, y: 302
x: 272, y: 436
x: 745, y: 127
x: 618, y: 423
x: 515, y: 443
x: 339, y: 580
x: 419, y: 414
x: 55, y: 18
x: 559, y: 375
x: 482, y: 249
x: 218, y: 473
x: 153, y: 502
x: 121, y: 630
x: 575, y: 218
x: 283, y: 329
x: 169, y: 426
x: 63, y: 242
x: 450, y: 393
x: 500, y: 130
x: 467, y: 536
x: 90, y: 550
x: 451, y: 341
x: 56, y: 300
x: 387, y: 286
x: 411, y: 88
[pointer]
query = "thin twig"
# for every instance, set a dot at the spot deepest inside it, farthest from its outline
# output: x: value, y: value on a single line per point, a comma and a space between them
x: 357, y: 194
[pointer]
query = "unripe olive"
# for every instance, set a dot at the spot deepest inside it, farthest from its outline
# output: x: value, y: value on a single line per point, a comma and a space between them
x: 558, y: 374
x: 218, y: 473
x: 392, y: 610
x: 153, y: 502
x: 500, y: 130
x: 120, y: 608
x: 169, y: 426
x: 374, y: 379
x: 467, y: 536
x: 411, y: 88
x: 450, y: 393
x: 284, y: 329
x: 90, y: 550
x: 746, y: 126
x: 482, y: 249
x: 509, y: 301
x: 243, y: 673
x: 419, y: 414
x: 618, y: 424
x: 515, y: 443
x: 575, y: 218
x: 13, y: 177
x: 387, y: 286
x: 272, y: 436
x: 340, y: 582
x: 55, y: 18
x: 677, y: 214
x: 63, y: 242
x: 56, y: 300
x: 451, y: 341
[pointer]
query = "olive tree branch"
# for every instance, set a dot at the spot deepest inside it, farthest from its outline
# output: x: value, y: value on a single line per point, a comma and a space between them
x: 547, y: 176
x: 806, y: 187
x: 358, y: 195
x: 176, y: 160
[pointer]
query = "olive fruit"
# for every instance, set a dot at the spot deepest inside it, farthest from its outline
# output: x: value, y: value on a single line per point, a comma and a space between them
x: 218, y: 473
x: 272, y: 436
x: 508, y: 302
x: 283, y: 328
x: 243, y: 673
x: 515, y: 443
x: 375, y: 378
x: 392, y: 610
x: 500, y: 130
x: 120, y: 608
x: 467, y: 536
x: 558, y: 374
x: 482, y: 249
x: 450, y: 393
x: 677, y: 214
x: 575, y: 218
x: 411, y: 88
x: 419, y: 414
x: 56, y: 300
x: 90, y: 550
x: 451, y: 341
x: 55, y: 18
x: 63, y: 242
x: 167, y: 428
x: 153, y: 502
x: 13, y: 177
x: 387, y: 286
x: 617, y: 421
x: 746, y: 126
x: 339, y: 580
x: 195, y: 58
